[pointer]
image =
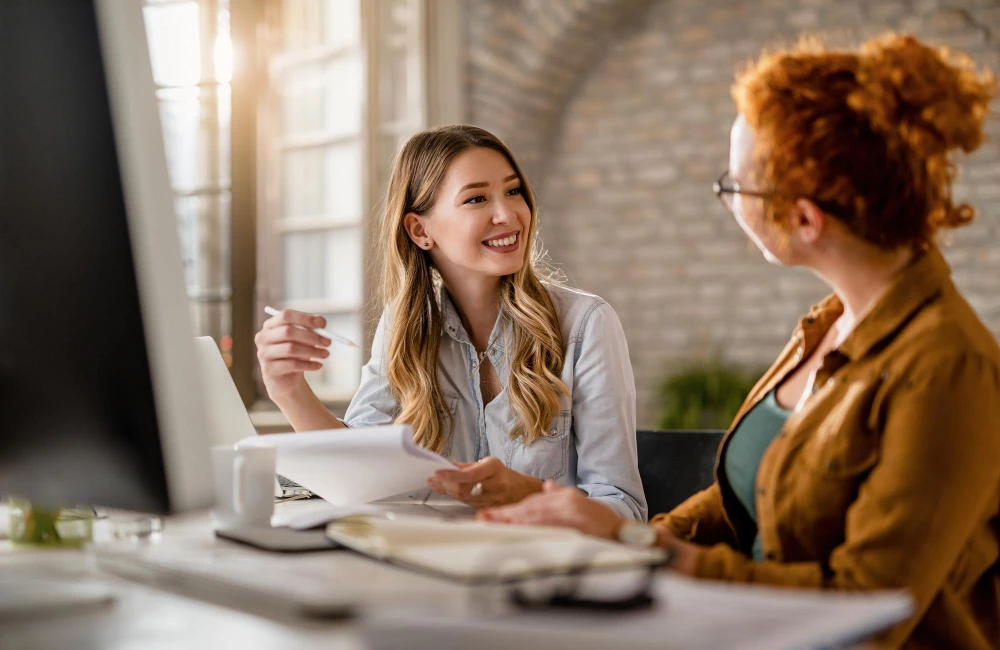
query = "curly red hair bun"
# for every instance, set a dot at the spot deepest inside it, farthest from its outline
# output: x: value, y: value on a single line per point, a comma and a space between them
x: 867, y: 135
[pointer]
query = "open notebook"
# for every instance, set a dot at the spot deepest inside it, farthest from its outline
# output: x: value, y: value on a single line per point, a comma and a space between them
x: 480, y: 552
x: 353, y: 466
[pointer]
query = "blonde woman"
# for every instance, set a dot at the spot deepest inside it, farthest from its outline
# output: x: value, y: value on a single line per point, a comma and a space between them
x: 516, y: 378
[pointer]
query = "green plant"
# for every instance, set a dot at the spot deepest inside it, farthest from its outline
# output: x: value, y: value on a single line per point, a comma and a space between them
x: 703, y: 396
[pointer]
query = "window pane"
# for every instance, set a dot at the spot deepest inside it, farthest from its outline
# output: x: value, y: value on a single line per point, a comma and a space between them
x: 322, y: 97
x: 204, y: 234
x: 322, y: 181
x: 342, y: 280
x: 314, y: 23
x: 303, y: 270
x: 342, y: 22
x: 196, y: 135
x: 196, y: 132
x: 174, y: 48
x: 342, y: 369
x: 324, y: 266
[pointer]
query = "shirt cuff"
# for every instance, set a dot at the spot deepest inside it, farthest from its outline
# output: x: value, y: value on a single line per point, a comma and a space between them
x: 619, y: 506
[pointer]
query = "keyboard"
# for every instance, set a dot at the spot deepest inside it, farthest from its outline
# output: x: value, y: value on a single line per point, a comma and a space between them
x: 290, y: 488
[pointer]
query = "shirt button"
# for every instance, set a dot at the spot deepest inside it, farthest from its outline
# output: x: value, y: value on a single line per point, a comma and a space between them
x: 761, y: 491
x: 552, y: 432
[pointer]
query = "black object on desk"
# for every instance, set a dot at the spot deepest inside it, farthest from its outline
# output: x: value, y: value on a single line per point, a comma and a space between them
x: 282, y: 539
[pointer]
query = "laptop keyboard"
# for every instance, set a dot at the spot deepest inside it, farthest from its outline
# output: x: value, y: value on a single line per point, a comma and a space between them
x: 288, y: 484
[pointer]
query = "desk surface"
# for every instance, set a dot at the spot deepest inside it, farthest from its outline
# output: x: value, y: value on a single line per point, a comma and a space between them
x: 152, y: 619
x: 149, y: 618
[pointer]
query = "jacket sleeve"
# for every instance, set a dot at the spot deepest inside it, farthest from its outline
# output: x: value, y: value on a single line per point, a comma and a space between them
x: 700, y: 519
x: 936, y: 478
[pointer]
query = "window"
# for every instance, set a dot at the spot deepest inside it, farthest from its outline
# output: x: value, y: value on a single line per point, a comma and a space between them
x: 344, y: 88
x: 191, y: 57
x: 277, y: 172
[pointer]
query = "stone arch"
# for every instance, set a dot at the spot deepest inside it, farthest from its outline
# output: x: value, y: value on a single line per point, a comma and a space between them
x: 525, y: 62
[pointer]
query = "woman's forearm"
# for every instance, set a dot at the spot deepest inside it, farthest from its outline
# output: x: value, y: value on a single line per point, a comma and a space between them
x: 305, y: 412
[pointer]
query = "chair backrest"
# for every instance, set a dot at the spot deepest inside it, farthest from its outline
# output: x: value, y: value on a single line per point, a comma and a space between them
x: 674, y: 465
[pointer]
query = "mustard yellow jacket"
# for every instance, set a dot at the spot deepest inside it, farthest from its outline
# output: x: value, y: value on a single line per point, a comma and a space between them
x: 888, y: 477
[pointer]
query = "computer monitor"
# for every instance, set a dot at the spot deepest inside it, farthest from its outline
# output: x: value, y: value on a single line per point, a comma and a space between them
x: 99, y: 390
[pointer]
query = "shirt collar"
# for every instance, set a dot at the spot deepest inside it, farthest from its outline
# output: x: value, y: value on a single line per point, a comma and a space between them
x: 501, y: 334
x: 450, y: 320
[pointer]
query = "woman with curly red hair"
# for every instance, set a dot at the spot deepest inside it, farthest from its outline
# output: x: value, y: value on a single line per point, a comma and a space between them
x: 868, y: 456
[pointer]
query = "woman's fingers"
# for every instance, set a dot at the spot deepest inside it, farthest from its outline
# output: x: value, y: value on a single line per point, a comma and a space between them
x: 528, y: 511
x: 473, y: 473
x: 292, y: 351
x: 281, y: 367
x: 287, y: 332
x: 292, y: 317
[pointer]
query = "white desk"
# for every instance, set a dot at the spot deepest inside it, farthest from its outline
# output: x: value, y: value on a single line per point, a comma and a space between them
x: 149, y: 618
x: 152, y: 619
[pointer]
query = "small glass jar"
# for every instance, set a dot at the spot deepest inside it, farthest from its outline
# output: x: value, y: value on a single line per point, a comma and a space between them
x: 33, y: 524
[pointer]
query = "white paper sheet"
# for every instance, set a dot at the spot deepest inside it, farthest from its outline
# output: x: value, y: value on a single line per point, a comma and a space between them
x: 353, y: 466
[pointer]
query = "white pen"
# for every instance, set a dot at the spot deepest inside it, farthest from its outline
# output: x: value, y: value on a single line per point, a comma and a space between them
x: 271, y: 311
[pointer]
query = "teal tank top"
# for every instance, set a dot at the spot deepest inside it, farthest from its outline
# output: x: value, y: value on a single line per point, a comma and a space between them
x: 746, y: 447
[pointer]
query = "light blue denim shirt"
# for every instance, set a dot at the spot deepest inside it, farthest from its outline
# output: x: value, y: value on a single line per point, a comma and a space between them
x: 590, y: 444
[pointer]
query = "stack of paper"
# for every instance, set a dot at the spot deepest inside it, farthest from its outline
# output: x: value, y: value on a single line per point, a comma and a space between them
x: 353, y: 466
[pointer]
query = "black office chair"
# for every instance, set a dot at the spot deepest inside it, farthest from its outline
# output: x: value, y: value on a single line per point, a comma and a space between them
x: 673, y: 465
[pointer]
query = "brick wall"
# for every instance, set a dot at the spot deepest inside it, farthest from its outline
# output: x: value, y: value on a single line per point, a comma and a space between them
x: 621, y: 112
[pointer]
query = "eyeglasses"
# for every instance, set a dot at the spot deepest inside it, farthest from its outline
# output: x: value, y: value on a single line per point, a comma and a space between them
x: 726, y: 189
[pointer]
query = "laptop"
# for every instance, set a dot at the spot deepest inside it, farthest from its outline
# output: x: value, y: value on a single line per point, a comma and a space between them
x: 228, y: 419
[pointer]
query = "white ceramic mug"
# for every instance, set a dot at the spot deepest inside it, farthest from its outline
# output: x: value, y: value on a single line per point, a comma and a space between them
x: 244, y: 486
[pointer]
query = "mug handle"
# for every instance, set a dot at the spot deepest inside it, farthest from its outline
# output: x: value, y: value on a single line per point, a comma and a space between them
x: 238, y: 464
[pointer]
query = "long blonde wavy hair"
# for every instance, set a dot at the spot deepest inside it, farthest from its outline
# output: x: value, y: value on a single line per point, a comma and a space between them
x: 409, y: 295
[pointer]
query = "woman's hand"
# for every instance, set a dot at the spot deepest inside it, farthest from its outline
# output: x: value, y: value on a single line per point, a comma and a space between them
x: 287, y: 348
x: 560, y: 506
x: 499, y: 485
x: 683, y: 555
x: 569, y: 507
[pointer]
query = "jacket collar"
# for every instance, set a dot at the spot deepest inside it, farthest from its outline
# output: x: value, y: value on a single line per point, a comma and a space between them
x: 909, y: 290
